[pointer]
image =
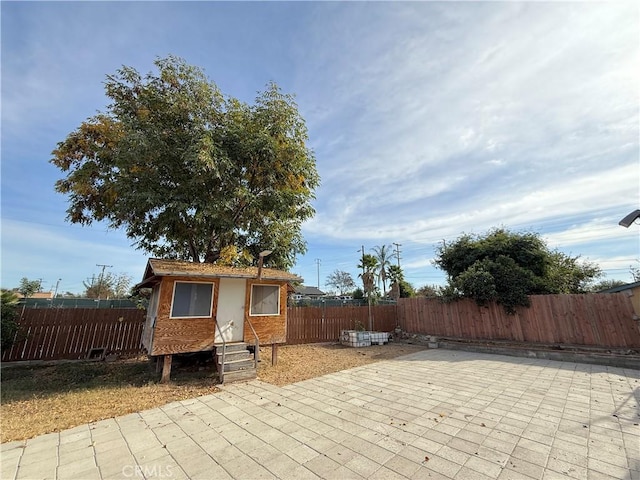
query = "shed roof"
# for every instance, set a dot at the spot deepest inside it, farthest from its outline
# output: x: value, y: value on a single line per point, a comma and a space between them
x: 157, y: 268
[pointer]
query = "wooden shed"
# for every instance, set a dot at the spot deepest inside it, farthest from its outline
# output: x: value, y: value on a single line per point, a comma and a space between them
x: 197, y: 307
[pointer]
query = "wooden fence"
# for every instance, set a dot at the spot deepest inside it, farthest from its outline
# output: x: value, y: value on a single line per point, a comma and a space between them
x: 317, y: 324
x: 604, y: 320
x: 57, y: 333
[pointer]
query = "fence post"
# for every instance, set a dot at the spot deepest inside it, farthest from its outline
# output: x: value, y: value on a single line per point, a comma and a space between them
x: 166, y: 369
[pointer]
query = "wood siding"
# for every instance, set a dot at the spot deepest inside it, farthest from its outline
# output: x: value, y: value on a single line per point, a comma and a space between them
x: 182, y: 335
x: 603, y: 320
x: 317, y: 324
x: 269, y: 328
x: 62, y: 333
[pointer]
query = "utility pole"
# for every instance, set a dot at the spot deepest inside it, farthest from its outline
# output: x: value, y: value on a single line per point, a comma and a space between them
x: 101, y: 278
x: 317, y: 260
x: 398, y: 245
x: 55, y: 294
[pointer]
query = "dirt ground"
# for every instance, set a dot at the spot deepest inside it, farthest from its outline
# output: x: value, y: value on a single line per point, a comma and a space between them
x: 49, y: 398
x: 301, y: 362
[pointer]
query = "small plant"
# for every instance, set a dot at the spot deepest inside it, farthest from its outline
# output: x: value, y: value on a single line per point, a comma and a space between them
x: 360, y: 326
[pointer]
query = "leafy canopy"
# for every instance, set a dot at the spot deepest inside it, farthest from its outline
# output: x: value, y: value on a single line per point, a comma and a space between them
x: 506, y: 267
x: 369, y: 266
x: 187, y: 171
x: 341, y: 280
x: 28, y: 287
x: 108, y: 286
x: 400, y: 288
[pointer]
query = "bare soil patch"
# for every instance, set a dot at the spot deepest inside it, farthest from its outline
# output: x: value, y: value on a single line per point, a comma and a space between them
x: 39, y: 399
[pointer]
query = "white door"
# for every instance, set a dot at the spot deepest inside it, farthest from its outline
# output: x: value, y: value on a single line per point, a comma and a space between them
x: 230, y: 312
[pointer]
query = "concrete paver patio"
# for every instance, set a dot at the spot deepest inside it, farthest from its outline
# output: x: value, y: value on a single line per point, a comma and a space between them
x: 435, y: 414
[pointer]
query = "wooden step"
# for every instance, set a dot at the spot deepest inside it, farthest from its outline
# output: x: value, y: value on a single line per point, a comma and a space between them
x: 236, y: 355
x: 239, y: 365
x: 240, y: 375
x: 239, y: 362
x: 231, y: 347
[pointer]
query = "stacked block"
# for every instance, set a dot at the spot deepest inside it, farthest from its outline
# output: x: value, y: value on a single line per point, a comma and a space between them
x: 379, y: 338
x: 356, y: 338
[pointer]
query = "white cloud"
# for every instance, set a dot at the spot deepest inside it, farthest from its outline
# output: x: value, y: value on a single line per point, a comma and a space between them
x: 427, y: 118
x: 532, y: 82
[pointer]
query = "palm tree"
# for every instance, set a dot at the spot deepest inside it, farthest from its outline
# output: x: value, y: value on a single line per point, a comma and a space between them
x: 369, y: 265
x: 395, y: 273
x: 396, y: 276
x: 384, y: 256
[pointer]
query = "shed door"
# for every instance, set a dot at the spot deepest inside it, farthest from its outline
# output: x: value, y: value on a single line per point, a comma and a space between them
x: 230, y: 312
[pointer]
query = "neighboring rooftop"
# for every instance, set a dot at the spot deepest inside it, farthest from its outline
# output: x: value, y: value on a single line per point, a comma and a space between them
x: 39, y: 295
x: 621, y: 288
x: 309, y: 291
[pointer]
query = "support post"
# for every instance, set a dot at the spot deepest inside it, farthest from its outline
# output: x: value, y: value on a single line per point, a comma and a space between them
x: 274, y: 354
x: 158, y: 363
x: 166, y: 369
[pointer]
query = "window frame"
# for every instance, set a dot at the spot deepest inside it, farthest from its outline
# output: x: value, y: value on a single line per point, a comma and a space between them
x: 173, y: 297
x: 251, y: 314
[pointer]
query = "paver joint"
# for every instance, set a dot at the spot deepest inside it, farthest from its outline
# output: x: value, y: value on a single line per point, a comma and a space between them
x: 432, y: 414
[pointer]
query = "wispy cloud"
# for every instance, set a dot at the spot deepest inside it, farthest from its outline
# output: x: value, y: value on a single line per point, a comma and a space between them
x: 427, y: 118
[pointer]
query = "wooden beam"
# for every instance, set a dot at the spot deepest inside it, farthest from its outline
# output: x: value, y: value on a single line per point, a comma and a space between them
x: 166, y: 369
x: 274, y: 354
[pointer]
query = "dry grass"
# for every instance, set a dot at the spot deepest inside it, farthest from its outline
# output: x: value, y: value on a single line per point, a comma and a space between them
x: 49, y: 398
x: 301, y: 362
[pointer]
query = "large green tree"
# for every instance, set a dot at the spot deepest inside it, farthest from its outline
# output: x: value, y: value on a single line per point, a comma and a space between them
x: 187, y: 171
x: 508, y: 266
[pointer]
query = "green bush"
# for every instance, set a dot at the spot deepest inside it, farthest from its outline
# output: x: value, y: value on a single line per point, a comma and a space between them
x: 8, y: 317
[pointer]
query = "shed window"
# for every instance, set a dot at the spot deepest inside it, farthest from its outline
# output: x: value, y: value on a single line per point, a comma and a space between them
x: 191, y: 299
x: 265, y: 300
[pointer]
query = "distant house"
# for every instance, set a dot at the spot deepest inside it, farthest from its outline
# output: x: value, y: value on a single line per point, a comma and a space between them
x: 303, y: 292
x: 197, y: 307
x: 631, y: 289
x: 38, y: 295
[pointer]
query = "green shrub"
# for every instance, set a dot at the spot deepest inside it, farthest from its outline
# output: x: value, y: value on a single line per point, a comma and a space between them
x: 9, y: 318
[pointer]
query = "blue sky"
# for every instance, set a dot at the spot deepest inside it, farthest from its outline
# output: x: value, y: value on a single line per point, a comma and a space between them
x: 427, y: 119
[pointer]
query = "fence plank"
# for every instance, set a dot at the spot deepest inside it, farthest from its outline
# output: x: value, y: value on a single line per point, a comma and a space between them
x: 60, y: 333
x: 590, y: 319
x: 604, y: 320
